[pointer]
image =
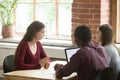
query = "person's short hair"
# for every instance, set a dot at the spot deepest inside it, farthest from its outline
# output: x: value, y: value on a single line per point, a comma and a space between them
x: 82, y: 33
x: 106, y: 34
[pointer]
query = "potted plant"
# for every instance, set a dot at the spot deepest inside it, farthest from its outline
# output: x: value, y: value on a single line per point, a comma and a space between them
x: 7, y: 8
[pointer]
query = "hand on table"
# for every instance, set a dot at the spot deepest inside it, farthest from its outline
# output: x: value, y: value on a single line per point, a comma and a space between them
x: 45, y: 62
x: 46, y: 66
x: 58, y: 66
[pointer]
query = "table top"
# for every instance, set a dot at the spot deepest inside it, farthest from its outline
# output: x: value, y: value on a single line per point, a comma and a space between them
x: 40, y: 73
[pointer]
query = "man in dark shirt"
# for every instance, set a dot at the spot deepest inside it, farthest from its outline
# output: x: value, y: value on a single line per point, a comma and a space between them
x: 88, y: 61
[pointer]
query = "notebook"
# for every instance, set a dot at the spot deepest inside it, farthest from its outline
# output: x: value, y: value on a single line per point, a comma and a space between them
x: 70, y: 52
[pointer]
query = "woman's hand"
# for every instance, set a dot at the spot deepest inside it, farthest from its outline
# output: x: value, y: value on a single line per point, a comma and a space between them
x: 43, y: 61
x: 46, y: 66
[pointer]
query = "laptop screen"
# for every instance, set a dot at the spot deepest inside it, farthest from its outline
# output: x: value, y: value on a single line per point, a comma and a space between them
x: 70, y: 52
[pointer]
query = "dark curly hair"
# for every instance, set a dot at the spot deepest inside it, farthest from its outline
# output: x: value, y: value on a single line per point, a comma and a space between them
x: 82, y: 33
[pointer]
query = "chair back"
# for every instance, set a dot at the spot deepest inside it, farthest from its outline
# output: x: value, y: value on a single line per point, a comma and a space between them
x: 106, y: 74
x: 8, y: 64
x: 118, y: 78
x: 1, y: 78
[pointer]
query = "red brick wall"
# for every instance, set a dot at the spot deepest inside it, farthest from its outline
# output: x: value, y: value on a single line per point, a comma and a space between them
x: 91, y: 13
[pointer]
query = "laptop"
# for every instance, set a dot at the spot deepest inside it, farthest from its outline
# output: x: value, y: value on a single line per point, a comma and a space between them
x: 69, y: 52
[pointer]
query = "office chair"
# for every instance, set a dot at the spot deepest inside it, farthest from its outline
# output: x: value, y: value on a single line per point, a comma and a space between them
x: 118, y: 78
x: 8, y: 64
x: 106, y: 74
x: 1, y: 78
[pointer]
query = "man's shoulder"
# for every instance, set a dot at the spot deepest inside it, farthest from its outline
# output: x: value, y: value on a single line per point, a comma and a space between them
x: 99, y: 46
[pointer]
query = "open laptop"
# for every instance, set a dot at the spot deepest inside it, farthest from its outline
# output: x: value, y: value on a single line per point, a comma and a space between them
x: 70, y: 52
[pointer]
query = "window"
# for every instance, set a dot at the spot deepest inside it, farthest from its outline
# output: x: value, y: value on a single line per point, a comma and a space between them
x: 0, y: 22
x: 115, y: 19
x: 118, y: 21
x: 55, y: 14
x: 0, y: 26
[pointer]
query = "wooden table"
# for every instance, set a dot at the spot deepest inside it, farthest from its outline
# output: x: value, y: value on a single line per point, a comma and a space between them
x: 38, y: 74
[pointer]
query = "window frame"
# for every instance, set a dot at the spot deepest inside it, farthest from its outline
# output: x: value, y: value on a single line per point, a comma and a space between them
x: 118, y: 21
x: 113, y: 19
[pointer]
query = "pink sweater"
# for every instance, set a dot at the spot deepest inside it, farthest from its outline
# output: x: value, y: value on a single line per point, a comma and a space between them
x: 25, y: 59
